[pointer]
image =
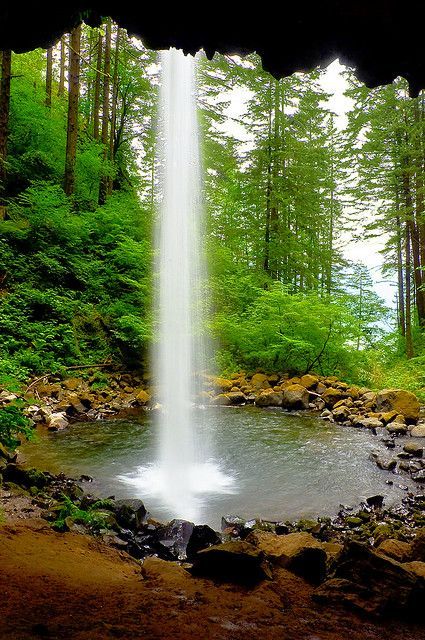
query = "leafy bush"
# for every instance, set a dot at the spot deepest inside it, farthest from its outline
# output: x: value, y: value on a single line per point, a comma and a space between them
x: 14, y: 426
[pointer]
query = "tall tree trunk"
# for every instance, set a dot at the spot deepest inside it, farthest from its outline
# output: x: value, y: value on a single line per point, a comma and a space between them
x: 266, y: 263
x: 6, y: 66
x: 96, y: 101
x: 274, y: 207
x: 74, y: 92
x: 103, y: 188
x: 408, y: 310
x: 49, y: 75
x: 61, y: 87
x: 400, y: 280
x: 114, y: 107
x: 414, y: 239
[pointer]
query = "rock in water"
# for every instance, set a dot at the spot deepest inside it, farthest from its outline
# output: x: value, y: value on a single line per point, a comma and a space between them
x: 130, y: 514
x: 236, y: 561
x: 269, y: 398
x: 295, y: 396
x: 174, y: 539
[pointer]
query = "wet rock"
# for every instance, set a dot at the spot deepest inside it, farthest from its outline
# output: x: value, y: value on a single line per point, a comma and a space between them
x: 229, y: 399
x: 174, y: 539
x: 298, y: 552
x: 414, y: 449
x: 404, y: 402
x: 341, y: 413
x: 236, y: 561
x: 368, y: 423
x: 57, y: 421
x: 233, y: 525
x: 373, y: 583
x: 389, y: 443
x: 376, y: 502
x: 419, y: 476
x: 202, y: 537
x: 295, y: 396
x: 418, y: 431
x: 388, y: 464
x: 397, y: 428
x: 130, y: 513
x: 24, y: 477
x: 269, y: 398
x: 395, y: 549
x: 142, y: 397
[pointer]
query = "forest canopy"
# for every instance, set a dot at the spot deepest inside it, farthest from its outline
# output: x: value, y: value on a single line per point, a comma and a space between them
x: 79, y: 189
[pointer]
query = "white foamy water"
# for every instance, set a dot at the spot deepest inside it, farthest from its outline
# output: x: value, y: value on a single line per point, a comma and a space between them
x: 182, y: 472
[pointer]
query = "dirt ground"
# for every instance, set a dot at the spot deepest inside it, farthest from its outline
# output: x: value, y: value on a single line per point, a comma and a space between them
x: 71, y: 586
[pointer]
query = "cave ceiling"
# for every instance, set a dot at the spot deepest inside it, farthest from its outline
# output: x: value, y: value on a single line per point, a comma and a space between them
x: 381, y: 39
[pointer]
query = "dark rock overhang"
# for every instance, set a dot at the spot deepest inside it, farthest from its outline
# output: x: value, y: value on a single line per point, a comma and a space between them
x: 382, y: 39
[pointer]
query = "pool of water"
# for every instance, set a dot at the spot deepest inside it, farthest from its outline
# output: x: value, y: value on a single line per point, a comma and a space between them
x: 278, y: 465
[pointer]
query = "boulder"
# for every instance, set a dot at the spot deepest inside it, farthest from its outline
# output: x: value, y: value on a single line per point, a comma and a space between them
x: 130, y: 513
x: 387, y: 464
x: 373, y: 583
x: 142, y: 397
x: 228, y: 399
x: 320, y: 388
x: 367, y: 423
x: 298, y: 552
x: 367, y: 396
x: 174, y: 538
x: 309, y: 381
x: 259, y: 381
x: 236, y: 561
x: 418, y: 546
x: 202, y: 537
x: 414, y: 449
x: 397, y: 428
x: 331, y: 396
x: 57, y: 421
x: 269, y: 398
x: 404, y: 402
x: 295, y: 396
x: 418, y: 431
x: 341, y: 413
x: 220, y: 384
x: 418, y: 568
x: 353, y: 392
x: 395, y: 549
x: 72, y: 383
x: 388, y: 416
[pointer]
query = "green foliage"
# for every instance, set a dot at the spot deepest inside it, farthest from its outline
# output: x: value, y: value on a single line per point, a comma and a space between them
x: 285, y: 332
x: 67, y: 509
x: 14, y: 426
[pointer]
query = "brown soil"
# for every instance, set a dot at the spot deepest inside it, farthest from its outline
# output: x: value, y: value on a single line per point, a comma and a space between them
x: 71, y: 586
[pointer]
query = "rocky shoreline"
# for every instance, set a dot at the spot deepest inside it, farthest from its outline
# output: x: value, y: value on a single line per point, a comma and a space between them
x: 383, y: 548
x: 371, y: 558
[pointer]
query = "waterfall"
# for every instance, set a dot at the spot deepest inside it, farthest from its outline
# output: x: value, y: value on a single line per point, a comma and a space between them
x: 179, y: 356
x: 184, y: 468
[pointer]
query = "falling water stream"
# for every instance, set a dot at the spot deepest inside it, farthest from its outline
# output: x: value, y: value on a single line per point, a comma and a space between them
x: 185, y: 468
